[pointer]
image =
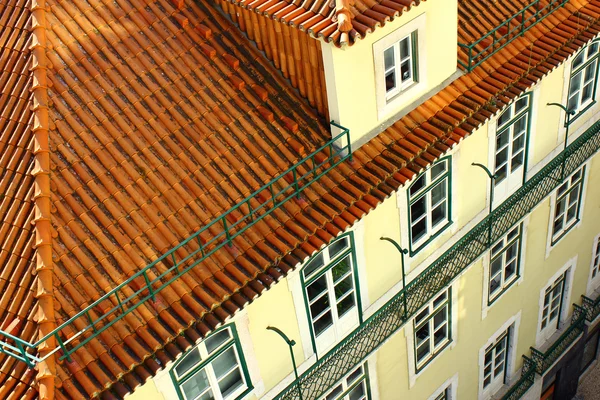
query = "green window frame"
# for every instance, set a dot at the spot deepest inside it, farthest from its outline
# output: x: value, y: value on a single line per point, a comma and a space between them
x: 432, y: 329
x: 505, y: 263
x: 553, y: 303
x: 429, y: 204
x: 400, y: 65
x: 512, y: 140
x: 354, y: 386
x: 584, y: 79
x: 495, y: 360
x: 331, y: 277
x: 213, y: 369
x: 567, y: 207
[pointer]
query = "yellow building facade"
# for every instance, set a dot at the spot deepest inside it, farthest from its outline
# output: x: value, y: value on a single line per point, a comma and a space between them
x: 501, y: 281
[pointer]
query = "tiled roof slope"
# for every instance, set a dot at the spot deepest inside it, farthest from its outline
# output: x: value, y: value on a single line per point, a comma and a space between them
x: 129, y: 181
x: 19, y: 279
x: 341, y: 22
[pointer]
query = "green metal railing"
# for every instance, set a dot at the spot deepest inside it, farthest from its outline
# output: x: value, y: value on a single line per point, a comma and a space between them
x: 370, y: 335
x: 544, y: 360
x: 524, y: 383
x: 591, y: 307
x: 156, y: 276
x: 510, y: 29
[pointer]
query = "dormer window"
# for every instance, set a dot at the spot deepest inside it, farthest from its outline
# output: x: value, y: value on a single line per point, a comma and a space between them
x: 400, y: 60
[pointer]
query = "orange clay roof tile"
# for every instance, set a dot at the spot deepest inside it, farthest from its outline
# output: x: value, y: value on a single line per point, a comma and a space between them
x: 152, y: 139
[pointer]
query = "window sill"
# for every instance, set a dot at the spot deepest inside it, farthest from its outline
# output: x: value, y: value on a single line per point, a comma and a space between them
x: 423, y: 244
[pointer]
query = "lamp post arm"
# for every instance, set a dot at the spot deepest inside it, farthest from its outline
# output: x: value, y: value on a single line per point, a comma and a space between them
x: 396, y: 245
x: 486, y: 169
x: 289, y: 341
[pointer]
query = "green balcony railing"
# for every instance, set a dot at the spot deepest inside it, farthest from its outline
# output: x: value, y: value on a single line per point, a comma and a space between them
x: 544, y: 360
x: 156, y: 276
x: 525, y: 382
x: 510, y: 29
x: 591, y: 307
x: 373, y: 332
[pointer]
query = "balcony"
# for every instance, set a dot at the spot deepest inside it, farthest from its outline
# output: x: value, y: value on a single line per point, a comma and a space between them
x: 475, y: 50
x: 146, y: 283
x: 374, y: 331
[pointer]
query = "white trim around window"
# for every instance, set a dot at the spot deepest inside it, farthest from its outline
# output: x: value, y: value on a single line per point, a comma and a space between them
x: 594, y: 278
x: 447, y: 391
x: 408, y: 65
x: 552, y: 315
x: 511, y: 329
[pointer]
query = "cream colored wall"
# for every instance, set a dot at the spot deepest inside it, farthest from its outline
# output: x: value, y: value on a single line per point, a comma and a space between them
x: 350, y: 72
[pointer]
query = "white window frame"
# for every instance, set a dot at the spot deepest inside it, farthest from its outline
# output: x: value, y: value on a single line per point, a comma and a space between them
x: 387, y: 104
x: 513, y: 178
x: 589, y: 58
x: 594, y: 278
x: 432, y: 309
x: 205, y: 363
x: 514, y: 237
x: 341, y: 325
x: 410, y: 59
x: 425, y: 192
x: 568, y: 271
x: 499, y: 351
x: 565, y: 191
x: 449, y: 388
x: 512, y: 327
x: 348, y: 387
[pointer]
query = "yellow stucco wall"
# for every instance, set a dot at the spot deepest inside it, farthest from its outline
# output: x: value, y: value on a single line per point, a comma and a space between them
x: 350, y: 72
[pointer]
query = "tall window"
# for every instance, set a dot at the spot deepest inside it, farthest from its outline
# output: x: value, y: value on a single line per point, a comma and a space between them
x: 504, y: 263
x: 568, y: 205
x: 432, y: 329
x: 354, y: 386
x: 553, y: 300
x: 400, y: 65
x: 596, y: 259
x: 330, y: 288
x: 584, y: 79
x: 511, y: 143
x: 214, y: 369
x: 495, y: 361
x: 429, y: 204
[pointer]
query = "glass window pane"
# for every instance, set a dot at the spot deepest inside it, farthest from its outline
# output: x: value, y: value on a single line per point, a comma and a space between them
x: 316, y: 288
x: 419, y: 230
x: 417, y: 209
x: 216, y: 340
x: 505, y: 117
x: 422, y: 334
x: 440, y: 335
x: 313, y: 265
x: 404, y: 48
x: 224, y: 363
x: 438, y: 215
x: 439, y: 318
x: 323, y: 323
x: 319, y: 306
x: 343, y: 287
x: 335, y: 393
x: 405, y: 71
x: 417, y: 185
x: 196, y: 385
x: 521, y: 104
x: 423, y: 351
x: 437, y: 170
x: 390, y: 81
x: 358, y: 392
x: 338, y: 246
x: 188, y: 362
x: 345, y: 305
x: 231, y: 383
x: 388, y: 56
x: 438, y: 193
x: 578, y: 60
x: 341, y: 268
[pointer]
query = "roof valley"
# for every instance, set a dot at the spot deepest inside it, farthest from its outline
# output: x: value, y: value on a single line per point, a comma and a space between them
x: 42, y: 202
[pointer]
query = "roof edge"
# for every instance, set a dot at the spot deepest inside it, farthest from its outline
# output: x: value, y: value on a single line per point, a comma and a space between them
x: 44, y: 293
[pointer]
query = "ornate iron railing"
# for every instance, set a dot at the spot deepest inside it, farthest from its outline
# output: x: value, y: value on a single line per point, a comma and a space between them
x: 510, y: 29
x: 369, y: 336
x: 544, y: 360
x: 526, y: 380
x: 156, y: 276
x: 591, y: 307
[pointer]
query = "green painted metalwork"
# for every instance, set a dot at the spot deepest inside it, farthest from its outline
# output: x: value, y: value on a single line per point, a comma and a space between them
x: 544, y: 360
x: 591, y: 307
x: 156, y: 276
x: 375, y: 330
x: 510, y: 29
x: 524, y: 383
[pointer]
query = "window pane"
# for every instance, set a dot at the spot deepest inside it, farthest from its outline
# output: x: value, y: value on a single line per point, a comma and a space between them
x: 319, y: 306
x: 340, y: 269
x: 335, y: 393
x: 437, y: 170
x: 313, y: 265
x: 316, y: 288
x: 423, y: 351
x: 188, y: 362
x: 417, y: 185
x: 438, y: 193
x: 390, y: 81
x: 345, y: 305
x: 505, y: 117
x: 358, y: 392
x: 216, y: 340
x: 439, y: 318
x: 231, y: 383
x: 224, y: 363
x: 405, y: 71
x: 440, y: 335
x: 338, y: 246
x: 323, y: 323
x: 419, y: 230
x: 388, y: 57
x: 422, y: 334
x: 197, y: 385
x: 438, y: 215
x: 578, y: 60
x: 404, y: 48
x: 521, y: 104
x: 344, y: 287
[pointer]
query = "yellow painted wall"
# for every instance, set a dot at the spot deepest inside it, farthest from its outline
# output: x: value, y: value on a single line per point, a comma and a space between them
x: 354, y: 68
x: 147, y: 391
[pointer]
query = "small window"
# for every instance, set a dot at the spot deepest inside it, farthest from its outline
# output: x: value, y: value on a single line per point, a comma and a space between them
x: 511, y: 145
x: 354, y: 386
x: 330, y: 288
x: 214, y: 369
x: 444, y: 395
x: 432, y: 329
x: 568, y: 205
x: 400, y: 65
x: 429, y: 205
x: 505, y: 259
x: 552, y: 308
x: 584, y: 78
x: 495, y: 361
x: 596, y: 259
